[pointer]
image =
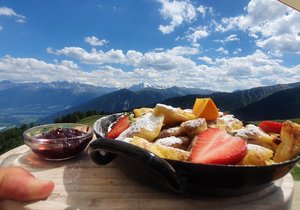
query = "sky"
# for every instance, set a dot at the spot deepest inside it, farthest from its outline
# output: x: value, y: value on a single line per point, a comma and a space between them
x: 212, y: 44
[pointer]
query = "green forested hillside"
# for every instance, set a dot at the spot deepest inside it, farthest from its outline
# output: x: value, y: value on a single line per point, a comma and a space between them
x: 90, y: 120
x: 11, y: 138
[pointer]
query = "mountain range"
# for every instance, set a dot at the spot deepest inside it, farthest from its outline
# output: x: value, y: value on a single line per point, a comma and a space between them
x: 43, y: 102
x: 281, y: 105
x: 235, y: 102
x: 229, y: 102
x: 126, y: 100
x: 27, y: 102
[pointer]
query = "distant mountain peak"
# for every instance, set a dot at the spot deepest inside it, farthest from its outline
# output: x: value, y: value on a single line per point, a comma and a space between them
x: 140, y: 86
x: 6, y: 84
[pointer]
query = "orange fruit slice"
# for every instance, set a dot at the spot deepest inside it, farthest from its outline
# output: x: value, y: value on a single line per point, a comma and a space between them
x: 205, y: 108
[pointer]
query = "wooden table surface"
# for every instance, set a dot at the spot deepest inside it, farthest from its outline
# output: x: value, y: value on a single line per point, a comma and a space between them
x: 83, y: 185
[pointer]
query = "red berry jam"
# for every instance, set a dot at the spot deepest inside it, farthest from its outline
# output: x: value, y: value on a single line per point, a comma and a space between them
x: 61, y: 143
x: 59, y: 133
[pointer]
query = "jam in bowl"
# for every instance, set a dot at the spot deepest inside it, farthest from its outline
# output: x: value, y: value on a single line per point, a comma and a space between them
x: 59, y: 141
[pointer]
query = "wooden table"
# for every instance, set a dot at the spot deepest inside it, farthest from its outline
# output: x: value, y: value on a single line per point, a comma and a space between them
x: 82, y: 185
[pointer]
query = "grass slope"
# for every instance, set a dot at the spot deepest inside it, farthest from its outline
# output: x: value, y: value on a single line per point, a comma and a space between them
x: 89, y: 120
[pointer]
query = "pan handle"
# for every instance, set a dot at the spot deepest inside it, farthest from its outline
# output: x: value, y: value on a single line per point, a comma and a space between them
x: 104, y: 150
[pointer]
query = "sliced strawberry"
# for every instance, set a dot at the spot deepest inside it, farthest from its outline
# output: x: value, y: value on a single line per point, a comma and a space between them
x: 121, y: 125
x: 270, y: 126
x: 216, y: 146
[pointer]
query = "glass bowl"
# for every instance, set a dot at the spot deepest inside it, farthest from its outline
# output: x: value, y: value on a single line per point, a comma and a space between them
x: 56, y: 147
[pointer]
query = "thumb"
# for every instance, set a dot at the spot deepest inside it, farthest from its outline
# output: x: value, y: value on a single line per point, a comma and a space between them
x: 18, y: 184
x: 36, y: 189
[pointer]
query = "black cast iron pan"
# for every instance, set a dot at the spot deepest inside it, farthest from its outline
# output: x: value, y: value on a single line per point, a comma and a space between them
x: 183, y: 177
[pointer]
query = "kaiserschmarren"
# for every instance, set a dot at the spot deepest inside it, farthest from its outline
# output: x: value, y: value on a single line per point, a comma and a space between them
x: 206, y: 135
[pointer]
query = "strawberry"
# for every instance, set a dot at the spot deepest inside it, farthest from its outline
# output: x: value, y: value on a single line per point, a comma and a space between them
x: 121, y: 125
x: 270, y: 126
x: 216, y: 146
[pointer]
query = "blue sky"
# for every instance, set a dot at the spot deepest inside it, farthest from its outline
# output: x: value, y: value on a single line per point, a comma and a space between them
x: 212, y: 44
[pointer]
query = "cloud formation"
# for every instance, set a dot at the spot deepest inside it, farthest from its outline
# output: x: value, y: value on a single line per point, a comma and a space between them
x: 274, y: 26
x: 161, y: 61
x: 94, y: 41
x: 195, y: 34
x: 5, y: 11
x: 166, y: 67
x: 230, y: 38
x: 204, y: 11
x: 178, y: 12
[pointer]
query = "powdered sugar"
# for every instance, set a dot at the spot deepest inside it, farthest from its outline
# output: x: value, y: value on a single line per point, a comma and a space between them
x: 148, y: 122
x: 188, y: 111
x: 169, y: 141
x: 250, y: 131
x: 173, y: 109
x: 173, y: 130
x: 258, y: 149
x: 228, y: 119
x: 194, y: 123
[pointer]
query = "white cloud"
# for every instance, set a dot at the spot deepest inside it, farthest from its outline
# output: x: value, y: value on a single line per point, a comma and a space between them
x: 93, y: 57
x: 274, y: 26
x: 159, y: 61
x: 256, y: 69
x: 195, y: 34
x: 69, y: 64
x: 167, y: 60
x: 237, y: 51
x: 178, y: 12
x: 165, y: 67
x: 255, y: 65
x: 5, y: 11
x: 33, y: 70
x: 206, y: 59
x: 94, y: 41
x: 203, y: 10
x: 282, y: 43
x: 230, y: 38
x: 222, y: 50
x: 183, y: 50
